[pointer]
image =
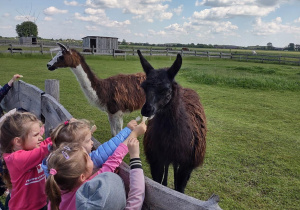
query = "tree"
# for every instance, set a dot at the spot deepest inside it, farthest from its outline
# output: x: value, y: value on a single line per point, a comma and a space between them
x: 26, y: 29
x: 124, y: 42
x: 269, y: 46
x: 291, y: 47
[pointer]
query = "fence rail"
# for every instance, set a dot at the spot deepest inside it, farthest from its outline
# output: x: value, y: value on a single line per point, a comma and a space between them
x: 47, y: 109
x: 257, y: 57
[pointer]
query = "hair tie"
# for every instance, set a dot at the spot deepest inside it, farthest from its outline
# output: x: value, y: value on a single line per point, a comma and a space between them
x: 53, y: 171
x: 67, y: 122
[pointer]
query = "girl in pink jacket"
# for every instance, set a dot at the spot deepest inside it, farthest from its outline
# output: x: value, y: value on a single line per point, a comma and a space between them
x: 23, y: 150
x: 71, y: 166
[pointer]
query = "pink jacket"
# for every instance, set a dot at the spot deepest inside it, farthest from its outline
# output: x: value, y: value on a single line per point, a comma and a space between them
x: 68, y: 200
x: 136, y: 193
x: 27, y: 177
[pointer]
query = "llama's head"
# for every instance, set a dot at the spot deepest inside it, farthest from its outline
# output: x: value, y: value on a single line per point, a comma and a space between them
x: 62, y: 59
x: 158, y: 85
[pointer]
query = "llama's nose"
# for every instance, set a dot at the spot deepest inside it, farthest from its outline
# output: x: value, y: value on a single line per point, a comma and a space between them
x: 148, y: 110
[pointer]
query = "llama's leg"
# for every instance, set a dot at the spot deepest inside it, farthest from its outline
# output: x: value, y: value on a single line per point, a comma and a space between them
x: 175, y: 167
x: 166, y: 170
x: 182, y: 177
x: 116, y: 122
x: 157, y: 170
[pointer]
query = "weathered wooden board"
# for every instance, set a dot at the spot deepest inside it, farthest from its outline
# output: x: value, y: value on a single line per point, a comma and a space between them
x: 159, y: 197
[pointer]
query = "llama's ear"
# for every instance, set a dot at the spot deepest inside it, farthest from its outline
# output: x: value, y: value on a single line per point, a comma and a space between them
x: 62, y: 47
x: 145, y: 64
x: 173, y: 70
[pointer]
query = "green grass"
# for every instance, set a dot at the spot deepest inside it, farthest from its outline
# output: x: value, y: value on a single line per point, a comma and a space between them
x: 253, y: 114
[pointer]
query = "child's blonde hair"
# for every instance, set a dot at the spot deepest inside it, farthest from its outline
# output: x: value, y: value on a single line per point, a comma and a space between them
x: 68, y: 162
x: 70, y: 131
x: 15, y: 125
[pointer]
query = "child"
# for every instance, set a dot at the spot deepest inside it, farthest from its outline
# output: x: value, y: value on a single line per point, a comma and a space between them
x: 104, y: 191
x: 81, y: 131
x: 23, y: 150
x: 4, y: 90
x: 71, y: 166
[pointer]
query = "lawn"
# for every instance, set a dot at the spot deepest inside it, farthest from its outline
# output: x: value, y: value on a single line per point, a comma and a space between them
x: 253, y: 113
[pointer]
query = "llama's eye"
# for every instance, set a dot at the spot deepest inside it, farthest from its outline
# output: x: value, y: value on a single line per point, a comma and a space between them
x: 61, y: 58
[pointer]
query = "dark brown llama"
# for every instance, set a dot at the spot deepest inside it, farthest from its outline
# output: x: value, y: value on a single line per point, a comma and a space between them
x: 115, y: 95
x: 177, y: 131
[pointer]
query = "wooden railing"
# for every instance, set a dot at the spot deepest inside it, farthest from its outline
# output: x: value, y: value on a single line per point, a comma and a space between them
x: 51, y: 112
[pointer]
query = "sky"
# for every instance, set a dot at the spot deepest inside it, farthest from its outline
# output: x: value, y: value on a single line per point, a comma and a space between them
x: 221, y: 22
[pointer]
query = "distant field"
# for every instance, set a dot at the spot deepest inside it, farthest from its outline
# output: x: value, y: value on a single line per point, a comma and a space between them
x: 253, y: 113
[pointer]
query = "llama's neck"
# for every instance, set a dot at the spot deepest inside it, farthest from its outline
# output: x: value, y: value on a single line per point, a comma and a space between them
x: 89, y: 84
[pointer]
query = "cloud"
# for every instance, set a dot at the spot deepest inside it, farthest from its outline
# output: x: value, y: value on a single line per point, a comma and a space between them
x: 47, y: 18
x: 92, y: 28
x: 92, y: 11
x: 102, y: 20
x: 229, y: 12
x: 147, y: 10
x: 6, y: 27
x: 275, y: 26
x: 6, y: 15
x: 71, y: 3
x: 158, y: 33
x: 176, y: 28
x: 139, y: 34
x: 54, y: 11
x: 297, y: 20
x: 178, y: 10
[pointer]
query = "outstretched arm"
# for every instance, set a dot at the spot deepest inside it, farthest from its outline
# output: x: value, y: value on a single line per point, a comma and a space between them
x: 136, y: 193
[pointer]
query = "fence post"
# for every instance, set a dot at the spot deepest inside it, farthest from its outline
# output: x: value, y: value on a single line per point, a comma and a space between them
x: 167, y: 52
x: 93, y: 49
x: 132, y: 51
x: 42, y: 48
x: 195, y: 53
x: 52, y: 88
x: 151, y: 51
x: 113, y: 52
x: 11, y: 48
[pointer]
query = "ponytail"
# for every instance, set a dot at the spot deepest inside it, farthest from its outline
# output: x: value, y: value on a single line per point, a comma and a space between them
x: 5, y: 174
x: 53, y: 192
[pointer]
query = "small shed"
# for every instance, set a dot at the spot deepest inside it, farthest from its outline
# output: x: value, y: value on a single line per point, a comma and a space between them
x: 28, y: 40
x: 100, y: 44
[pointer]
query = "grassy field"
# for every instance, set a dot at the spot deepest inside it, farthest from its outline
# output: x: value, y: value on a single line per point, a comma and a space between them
x: 253, y: 113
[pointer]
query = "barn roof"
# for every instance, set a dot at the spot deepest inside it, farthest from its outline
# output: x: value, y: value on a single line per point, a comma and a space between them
x: 100, y: 37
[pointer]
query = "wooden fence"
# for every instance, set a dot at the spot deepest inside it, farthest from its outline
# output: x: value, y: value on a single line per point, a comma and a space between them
x: 45, y: 48
x: 47, y: 109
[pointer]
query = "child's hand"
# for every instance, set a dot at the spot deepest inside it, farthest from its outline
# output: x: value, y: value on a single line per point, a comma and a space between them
x: 133, y: 148
x: 139, y: 130
x: 15, y: 77
x: 132, y: 124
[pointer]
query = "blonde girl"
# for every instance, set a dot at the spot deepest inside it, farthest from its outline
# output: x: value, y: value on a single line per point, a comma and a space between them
x: 23, y: 150
x: 80, y: 131
x: 71, y: 166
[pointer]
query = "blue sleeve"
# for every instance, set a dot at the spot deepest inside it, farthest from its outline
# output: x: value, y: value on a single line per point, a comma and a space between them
x: 101, y: 154
x: 3, y: 91
x: 45, y: 167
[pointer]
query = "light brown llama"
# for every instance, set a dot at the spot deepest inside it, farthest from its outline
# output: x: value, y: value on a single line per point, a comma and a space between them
x: 115, y: 95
